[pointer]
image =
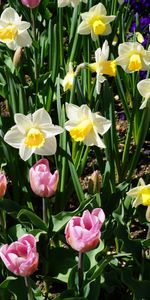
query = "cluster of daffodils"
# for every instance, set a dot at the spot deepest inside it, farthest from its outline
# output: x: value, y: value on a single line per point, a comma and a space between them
x: 141, y: 195
x: 36, y: 134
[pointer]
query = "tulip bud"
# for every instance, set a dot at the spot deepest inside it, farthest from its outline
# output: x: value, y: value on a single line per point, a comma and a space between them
x: 31, y: 3
x: 94, y: 185
x: 17, y: 56
x: 3, y: 184
x: 42, y: 181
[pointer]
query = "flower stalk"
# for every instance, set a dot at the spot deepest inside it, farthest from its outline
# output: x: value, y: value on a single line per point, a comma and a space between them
x: 28, y: 287
x: 80, y: 274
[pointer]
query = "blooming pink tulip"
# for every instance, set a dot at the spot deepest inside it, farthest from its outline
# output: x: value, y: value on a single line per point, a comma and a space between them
x: 43, y: 183
x: 3, y: 184
x: 21, y: 257
x: 31, y: 3
x: 83, y: 233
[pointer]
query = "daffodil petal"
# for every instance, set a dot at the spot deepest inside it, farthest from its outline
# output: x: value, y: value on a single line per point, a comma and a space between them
x: 143, y: 87
x: 23, y: 39
x: 23, y: 122
x: 93, y: 139
x: 9, y: 15
x: 49, y: 148
x: 13, y: 137
x: 25, y: 152
x: 41, y: 117
x: 73, y: 112
x: 51, y: 130
x: 84, y: 28
x: 23, y: 25
x: 101, y: 124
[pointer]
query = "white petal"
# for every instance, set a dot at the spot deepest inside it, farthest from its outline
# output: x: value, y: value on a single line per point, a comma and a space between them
x: 13, y: 137
x: 138, y: 201
x: 74, y: 112
x: 23, y: 122
x: 49, y: 148
x: 25, y: 152
x: 105, y: 49
x: 98, y: 10
x: 41, y: 117
x: 143, y: 87
x: 12, y: 45
x: 84, y: 28
x: 23, y: 39
x: 148, y: 214
x: 23, y: 25
x: 51, y: 130
x: 108, y: 19
x: 9, y: 15
x: 63, y: 3
x: 144, y: 104
x: 101, y: 124
x: 93, y: 139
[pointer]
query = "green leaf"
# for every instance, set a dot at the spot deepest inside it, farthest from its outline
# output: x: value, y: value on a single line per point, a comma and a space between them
x: 25, y: 214
x: 6, y: 282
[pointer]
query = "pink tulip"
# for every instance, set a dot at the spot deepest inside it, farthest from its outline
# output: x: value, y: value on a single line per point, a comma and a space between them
x: 83, y: 233
x: 21, y: 257
x: 43, y: 183
x: 3, y: 184
x: 31, y: 3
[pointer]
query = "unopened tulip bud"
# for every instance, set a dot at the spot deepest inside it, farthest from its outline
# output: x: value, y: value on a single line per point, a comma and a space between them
x: 17, y: 56
x: 3, y: 184
x: 31, y: 3
x: 42, y: 181
x: 94, y: 185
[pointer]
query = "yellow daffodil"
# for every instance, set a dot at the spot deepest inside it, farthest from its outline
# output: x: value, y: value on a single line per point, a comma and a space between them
x: 141, y: 194
x: 63, y: 3
x: 143, y: 87
x: 103, y: 65
x: 133, y: 57
x: 85, y: 126
x: 96, y: 22
x: 68, y: 79
x: 13, y: 31
x: 33, y: 134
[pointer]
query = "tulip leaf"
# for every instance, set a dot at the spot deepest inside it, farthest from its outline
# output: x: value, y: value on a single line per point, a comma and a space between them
x: 35, y: 220
x: 63, y: 217
x: 5, y: 283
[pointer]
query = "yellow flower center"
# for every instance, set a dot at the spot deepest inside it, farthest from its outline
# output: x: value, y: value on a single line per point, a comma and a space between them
x: 8, y: 33
x: 79, y: 132
x: 98, y: 25
x: 34, y: 138
x: 109, y: 67
x: 135, y: 63
x: 145, y: 194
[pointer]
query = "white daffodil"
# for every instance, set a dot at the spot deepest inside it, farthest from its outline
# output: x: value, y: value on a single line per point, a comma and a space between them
x: 143, y: 87
x: 13, y: 31
x: 96, y: 22
x: 85, y: 126
x: 103, y: 65
x: 133, y: 57
x: 63, y: 3
x: 68, y: 79
x: 33, y: 134
x: 141, y: 194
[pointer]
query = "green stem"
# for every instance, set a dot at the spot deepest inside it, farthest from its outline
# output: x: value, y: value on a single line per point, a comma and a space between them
x: 80, y: 273
x: 44, y: 206
x: 29, y: 290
